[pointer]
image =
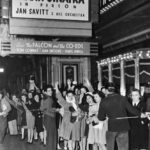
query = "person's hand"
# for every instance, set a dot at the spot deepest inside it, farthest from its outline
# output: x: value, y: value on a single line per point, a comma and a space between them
x: 57, y: 109
x: 99, y: 86
x: 80, y: 98
x: 89, y: 120
x: 148, y: 115
x: 75, y: 113
x: 2, y: 114
x: 95, y: 119
x: 143, y: 115
x: 61, y: 111
x: 56, y: 86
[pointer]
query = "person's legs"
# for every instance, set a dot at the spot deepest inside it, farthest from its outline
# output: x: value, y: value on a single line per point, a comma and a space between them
x: 41, y: 135
x: 45, y: 136
x: 110, y: 140
x: 29, y: 134
x: 10, y: 126
x: 122, y: 141
x: 70, y: 145
x: 35, y: 134
x: 65, y: 144
x: 22, y: 133
x: 95, y: 147
x: 101, y: 146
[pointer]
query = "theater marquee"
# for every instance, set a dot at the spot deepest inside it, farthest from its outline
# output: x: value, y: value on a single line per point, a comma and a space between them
x: 51, y: 9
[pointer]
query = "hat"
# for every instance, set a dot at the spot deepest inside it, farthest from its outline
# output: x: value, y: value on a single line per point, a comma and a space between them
x: 111, y: 86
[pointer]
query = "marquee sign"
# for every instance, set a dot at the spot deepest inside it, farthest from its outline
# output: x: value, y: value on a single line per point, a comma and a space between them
x: 52, y: 48
x: 51, y: 9
x: 104, y: 3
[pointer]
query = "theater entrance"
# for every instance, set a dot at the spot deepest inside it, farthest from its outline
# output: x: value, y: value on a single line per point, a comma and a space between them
x: 74, y: 68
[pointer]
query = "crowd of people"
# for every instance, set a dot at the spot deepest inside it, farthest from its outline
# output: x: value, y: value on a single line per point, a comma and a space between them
x: 82, y: 117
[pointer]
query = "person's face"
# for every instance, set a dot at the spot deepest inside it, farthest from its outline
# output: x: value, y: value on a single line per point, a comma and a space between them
x: 97, y: 98
x: 83, y: 90
x: 14, y: 98
x: 36, y: 98
x: 68, y: 81
x: 135, y: 95
x: 64, y: 93
x: 23, y: 98
x: 1, y: 96
x: 30, y: 95
x: 49, y: 92
x: 41, y: 96
x: 89, y: 100
x: 70, y: 96
x: 103, y: 90
x: 76, y: 91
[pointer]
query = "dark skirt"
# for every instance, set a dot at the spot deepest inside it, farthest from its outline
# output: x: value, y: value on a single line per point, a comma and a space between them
x: 139, y: 137
x: 39, y: 121
x: 50, y: 126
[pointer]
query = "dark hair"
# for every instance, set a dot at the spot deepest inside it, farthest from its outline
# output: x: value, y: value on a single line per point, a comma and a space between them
x: 70, y: 91
x: 111, y: 87
x: 48, y: 86
x: 23, y: 95
x: 87, y: 94
x: 84, y: 87
x: 101, y: 94
x: 76, y: 87
x: 34, y: 94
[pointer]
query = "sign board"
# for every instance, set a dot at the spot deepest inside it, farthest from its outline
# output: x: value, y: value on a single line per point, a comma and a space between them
x: 50, y: 48
x: 51, y: 9
x: 104, y: 3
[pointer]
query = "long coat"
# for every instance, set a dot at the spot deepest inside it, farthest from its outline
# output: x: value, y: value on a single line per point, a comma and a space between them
x: 49, y: 121
x: 4, y: 107
x: 138, y: 134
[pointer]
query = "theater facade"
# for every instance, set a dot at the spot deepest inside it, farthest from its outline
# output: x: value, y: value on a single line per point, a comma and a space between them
x: 60, y: 32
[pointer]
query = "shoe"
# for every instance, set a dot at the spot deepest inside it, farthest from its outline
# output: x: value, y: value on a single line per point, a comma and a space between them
x: 22, y: 139
x: 35, y: 140
x: 29, y: 142
x: 65, y: 148
x: 58, y: 147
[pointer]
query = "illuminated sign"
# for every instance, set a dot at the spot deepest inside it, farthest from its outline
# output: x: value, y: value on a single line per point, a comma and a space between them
x: 105, y: 5
x: 51, y: 48
x: 51, y: 9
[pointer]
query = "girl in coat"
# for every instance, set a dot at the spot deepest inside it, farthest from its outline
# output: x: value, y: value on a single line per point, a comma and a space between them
x: 69, y: 131
x: 139, y: 126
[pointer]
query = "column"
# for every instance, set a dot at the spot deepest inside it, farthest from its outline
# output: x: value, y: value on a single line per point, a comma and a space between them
x: 122, y: 79
x: 41, y: 77
x: 86, y: 69
x: 110, y: 78
x: 137, y: 73
x: 99, y: 68
x: 47, y: 70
